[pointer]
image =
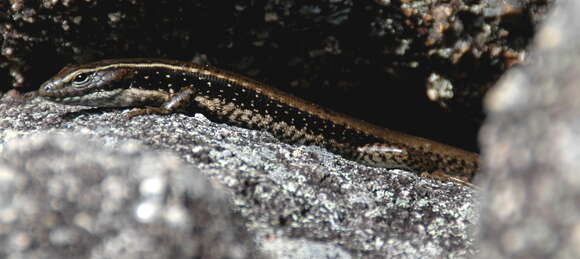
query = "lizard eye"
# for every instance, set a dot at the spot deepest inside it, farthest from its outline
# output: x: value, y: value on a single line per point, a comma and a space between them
x: 81, y: 79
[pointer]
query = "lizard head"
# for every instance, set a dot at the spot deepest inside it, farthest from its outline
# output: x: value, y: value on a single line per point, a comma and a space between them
x: 93, y: 84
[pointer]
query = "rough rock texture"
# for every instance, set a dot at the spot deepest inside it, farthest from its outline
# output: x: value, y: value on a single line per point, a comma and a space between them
x: 379, y: 57
x: 63, y: 196
x: 530, y: 145
x: 298, y: 201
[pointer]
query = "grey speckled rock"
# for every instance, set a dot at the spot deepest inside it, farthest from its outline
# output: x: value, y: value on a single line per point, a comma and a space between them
x: 62, y: 196
x: 531, y: 141
x: 313, y: 201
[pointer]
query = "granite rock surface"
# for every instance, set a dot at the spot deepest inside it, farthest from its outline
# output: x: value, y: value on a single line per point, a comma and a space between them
x: 293, y: 201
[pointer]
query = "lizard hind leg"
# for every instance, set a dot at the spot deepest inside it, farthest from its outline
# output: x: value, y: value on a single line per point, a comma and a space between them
x: 383, y: 155
x: 440, y: 175
x: 393, y: 156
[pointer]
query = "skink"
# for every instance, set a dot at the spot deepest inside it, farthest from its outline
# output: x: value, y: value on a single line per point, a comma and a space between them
x: 165, y: 86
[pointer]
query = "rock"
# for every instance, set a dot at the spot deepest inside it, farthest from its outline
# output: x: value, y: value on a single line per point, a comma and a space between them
x: 312, y: 200
x: 65, y: 196
x: 530, y: 148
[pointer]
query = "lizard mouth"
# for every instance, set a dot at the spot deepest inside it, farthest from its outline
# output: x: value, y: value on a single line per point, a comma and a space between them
x: 98, y: 98
x: 53, y: 89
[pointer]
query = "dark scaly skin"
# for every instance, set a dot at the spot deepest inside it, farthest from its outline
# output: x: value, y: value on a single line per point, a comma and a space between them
x: 164, y: 86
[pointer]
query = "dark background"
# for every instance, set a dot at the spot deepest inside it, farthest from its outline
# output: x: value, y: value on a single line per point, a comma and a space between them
x: 369, y: 59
